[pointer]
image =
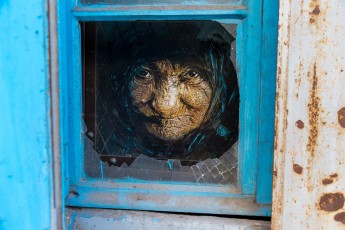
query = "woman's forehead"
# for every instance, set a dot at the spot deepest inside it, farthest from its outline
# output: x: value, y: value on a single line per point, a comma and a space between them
x: 175, y: 61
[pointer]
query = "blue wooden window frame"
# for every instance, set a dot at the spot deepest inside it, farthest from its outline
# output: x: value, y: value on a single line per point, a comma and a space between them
x: 256, y: 56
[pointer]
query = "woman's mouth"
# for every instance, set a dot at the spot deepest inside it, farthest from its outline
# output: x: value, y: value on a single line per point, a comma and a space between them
x: 173, y: 121
x: 170, y: 129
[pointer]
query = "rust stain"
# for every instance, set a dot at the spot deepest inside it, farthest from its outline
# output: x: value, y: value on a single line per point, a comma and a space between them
x: 316, y: 10
x: 276, y: 120
x: 327, y: 181
x: 341, y: 117
x: 314, y: 13
x: 332, y: 202
x: 275, y: 173
x: 297, y: 168
x: 334, y: 175
x: 313, y: 114
x: 330, y: 179
x: 300, y: 124
x: 340, y: 217
x: 279, y: 70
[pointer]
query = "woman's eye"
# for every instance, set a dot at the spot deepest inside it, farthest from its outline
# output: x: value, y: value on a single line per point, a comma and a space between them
x: 192, y: 74
x: 144, y: 74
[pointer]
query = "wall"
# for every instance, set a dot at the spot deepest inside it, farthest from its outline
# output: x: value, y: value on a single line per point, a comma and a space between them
x: 25, y: 145
x: 309, y: 172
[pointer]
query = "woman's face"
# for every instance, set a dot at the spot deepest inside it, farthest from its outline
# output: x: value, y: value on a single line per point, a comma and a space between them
x: 173, y: 97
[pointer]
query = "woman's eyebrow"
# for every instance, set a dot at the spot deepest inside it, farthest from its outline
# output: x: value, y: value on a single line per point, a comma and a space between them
x: 197, y: 67
x: 147, y: 67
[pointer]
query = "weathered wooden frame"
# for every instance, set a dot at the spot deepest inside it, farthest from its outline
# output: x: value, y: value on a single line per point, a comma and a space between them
x: 257, y: 33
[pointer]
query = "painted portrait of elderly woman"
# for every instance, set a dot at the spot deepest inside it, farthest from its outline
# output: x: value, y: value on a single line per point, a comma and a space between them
x: 166, y: 90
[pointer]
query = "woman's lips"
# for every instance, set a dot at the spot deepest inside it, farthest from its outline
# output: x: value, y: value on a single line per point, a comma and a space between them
x: 171, y: 122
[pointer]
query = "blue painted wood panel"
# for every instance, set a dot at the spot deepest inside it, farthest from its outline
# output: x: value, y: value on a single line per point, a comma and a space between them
x: 249, y: 96
x: 25, y: 147
x: 267, y: 95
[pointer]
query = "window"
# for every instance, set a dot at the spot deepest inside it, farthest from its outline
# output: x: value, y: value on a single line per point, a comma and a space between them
x: 168, y: 107
x: 163, y: 101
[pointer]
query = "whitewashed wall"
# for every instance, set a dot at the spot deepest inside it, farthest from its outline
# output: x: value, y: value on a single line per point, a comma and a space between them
x: 309, y: 170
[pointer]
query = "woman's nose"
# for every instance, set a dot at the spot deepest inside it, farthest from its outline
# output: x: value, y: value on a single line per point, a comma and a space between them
x: 166, y: 101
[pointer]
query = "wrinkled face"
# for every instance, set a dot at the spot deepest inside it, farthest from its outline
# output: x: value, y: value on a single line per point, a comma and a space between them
x: 173, y: 97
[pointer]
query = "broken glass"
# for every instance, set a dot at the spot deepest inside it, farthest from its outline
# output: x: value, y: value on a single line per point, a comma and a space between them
x: 222, y: 171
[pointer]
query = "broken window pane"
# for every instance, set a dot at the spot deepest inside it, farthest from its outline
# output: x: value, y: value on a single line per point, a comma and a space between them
x: 161, y: 101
